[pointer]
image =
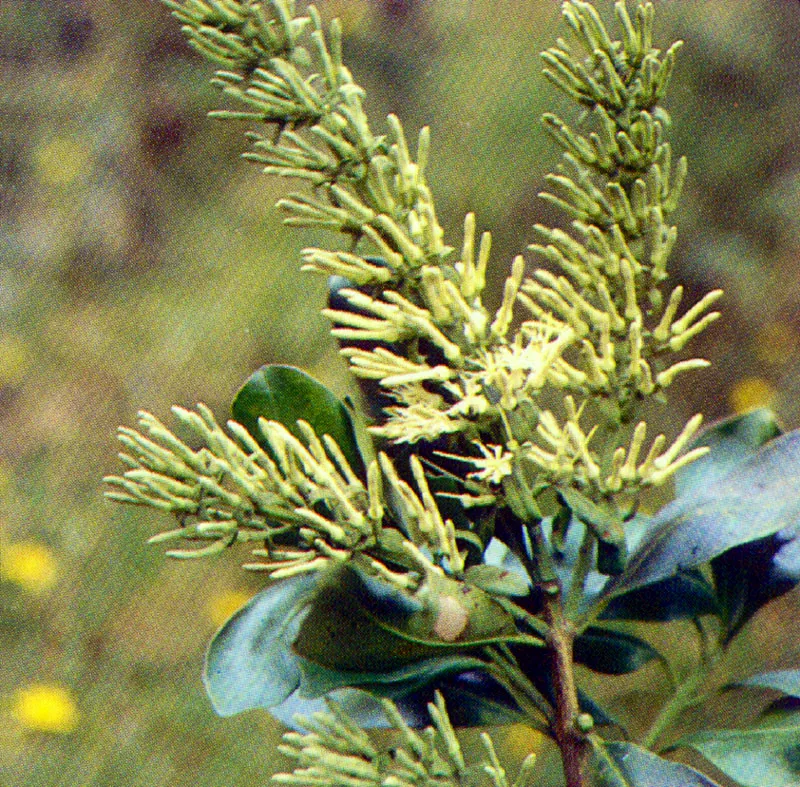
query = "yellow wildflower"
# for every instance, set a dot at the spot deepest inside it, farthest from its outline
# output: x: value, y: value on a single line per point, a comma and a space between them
x: 30, y: 565
x: 222, y: 605
x: 45, y: 707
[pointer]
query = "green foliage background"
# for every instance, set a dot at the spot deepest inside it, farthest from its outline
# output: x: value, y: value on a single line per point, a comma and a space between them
x: 142, y: 264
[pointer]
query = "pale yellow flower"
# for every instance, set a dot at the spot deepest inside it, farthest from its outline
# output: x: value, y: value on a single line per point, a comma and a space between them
x: 44, y: 707
x: 419, y: 415
x: 30, y: 565
x: 417, y: 422
x: 495, y: 464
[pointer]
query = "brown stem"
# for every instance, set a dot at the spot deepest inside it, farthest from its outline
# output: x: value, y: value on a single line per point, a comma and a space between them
x: 570, y: 725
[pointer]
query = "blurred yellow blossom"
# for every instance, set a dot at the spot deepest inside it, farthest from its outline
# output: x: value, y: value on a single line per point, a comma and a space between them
x: 45, y: 707
x: 30, y: 565
x: 750, y: 393
x: 222, y: 605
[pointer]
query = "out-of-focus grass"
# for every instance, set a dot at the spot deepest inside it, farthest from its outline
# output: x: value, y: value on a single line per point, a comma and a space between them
x: 142, y: 264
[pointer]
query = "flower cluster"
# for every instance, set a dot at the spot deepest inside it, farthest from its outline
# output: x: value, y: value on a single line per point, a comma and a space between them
x: 594, y: 326
x: 601, y: 329
x: 336, y: 751
x: 299, y: 498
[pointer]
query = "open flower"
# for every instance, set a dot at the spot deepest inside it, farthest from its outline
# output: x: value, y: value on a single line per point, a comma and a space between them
x: 44, y: 707
x: 521, y: 368
x: 30, y: 565
x: 494, y: 465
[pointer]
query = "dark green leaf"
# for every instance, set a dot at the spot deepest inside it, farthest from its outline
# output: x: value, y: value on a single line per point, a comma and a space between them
x: 249, y: 663
x: 474, y: 699
x: 751, y: 575
x: 363, y: 708
x: 604, y: 520
x: 600, y: 716
x: 286, y: 395
x: 566, y: 557
x: 364, y: 624
x: 782, y: 707
x: 731, y: 442
x: 611, y: 558
x: 763, y: 756
x: 622, y: 764
x: 612, y: 652
x: 318, y: 681
x: 755, y: 500
x: 497, y: 580
x: 787, y: 681
x: 686, y: 595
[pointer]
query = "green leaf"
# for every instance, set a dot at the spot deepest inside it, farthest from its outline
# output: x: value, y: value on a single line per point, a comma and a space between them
x: 317, y: 680
x: 612, y: 652
x: 755, y: 500
x: 604, y: 520
x: 361, y: 623
x: 686, y: 595
x: 752, y: 574
x: 286, y: 395
x: 731, y: 441
x: 627, y: 765
x: 365, y: 710
x: 787, y: 681
x: 497, y: 580
x: 358, y: 622
x: 473, y: 699
x: 599, y: 714
x: 567, y: 550
x: 249, y: 663
x: 763, y: 756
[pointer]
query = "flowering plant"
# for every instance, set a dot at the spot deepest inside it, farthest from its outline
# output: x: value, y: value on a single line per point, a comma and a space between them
x: 448, y: 556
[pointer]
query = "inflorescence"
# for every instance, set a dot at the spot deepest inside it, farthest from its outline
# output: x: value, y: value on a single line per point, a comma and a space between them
x: 601, y: 328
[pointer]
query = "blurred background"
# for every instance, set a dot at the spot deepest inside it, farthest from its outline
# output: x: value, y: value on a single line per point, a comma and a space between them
x: 142, y: 264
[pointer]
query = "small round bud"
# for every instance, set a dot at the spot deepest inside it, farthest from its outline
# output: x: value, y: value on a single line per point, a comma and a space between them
x: 584, y: 722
